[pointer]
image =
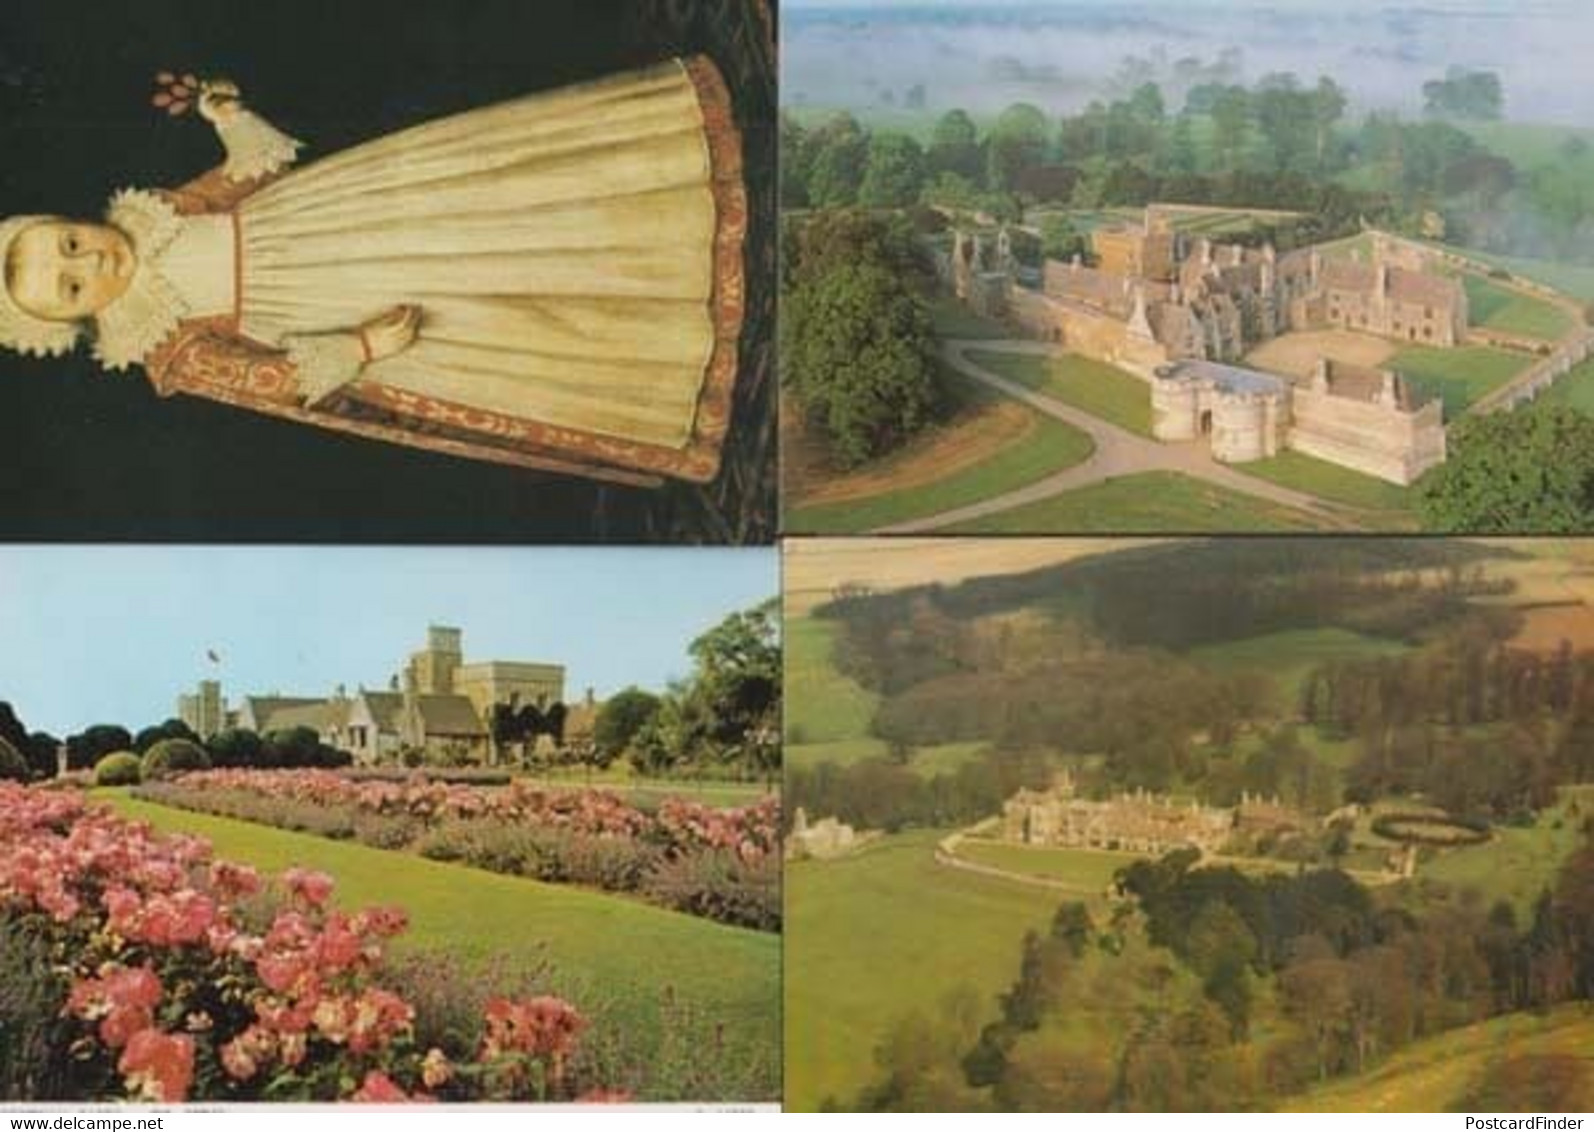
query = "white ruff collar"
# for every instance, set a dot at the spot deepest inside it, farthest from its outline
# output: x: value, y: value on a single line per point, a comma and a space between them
x: 147, y: 313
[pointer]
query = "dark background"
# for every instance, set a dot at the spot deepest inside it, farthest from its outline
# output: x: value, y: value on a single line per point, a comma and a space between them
x: 88, y: 455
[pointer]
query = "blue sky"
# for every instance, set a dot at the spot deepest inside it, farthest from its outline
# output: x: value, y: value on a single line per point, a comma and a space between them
x: 114, y: 634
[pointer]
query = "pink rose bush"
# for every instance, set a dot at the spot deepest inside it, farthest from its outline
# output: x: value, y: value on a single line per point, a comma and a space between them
x: 721, y: 863
x: 191, y: 977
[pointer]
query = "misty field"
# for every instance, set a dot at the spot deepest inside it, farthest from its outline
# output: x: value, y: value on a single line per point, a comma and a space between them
x: 828, y: 714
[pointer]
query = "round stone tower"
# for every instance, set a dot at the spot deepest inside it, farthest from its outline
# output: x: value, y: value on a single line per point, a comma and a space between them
x: 1175, y: 409
x: 1239, y: 427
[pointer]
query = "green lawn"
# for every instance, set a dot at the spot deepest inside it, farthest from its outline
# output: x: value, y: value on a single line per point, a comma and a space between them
x: 1145, y: 503
x: 613, y: 957
x: 1099, y: 389
x: 952, y: 319
x: 888, y: 932
x: 1288, y: 657
x: 1576, y: 280
x: 1512, y: 312
x: 1437, y: 1074
x: 927, y: 762
x: 1086, y: 871
x: 643, y: 791
x: 944, y: 758
x: 842, y: 752
x: 1575, y: 389
x: 831, y: 713
x: 1515, y: 864
x: 1459, y: 376
x: 1301, y: 472
x: 1048, y: 447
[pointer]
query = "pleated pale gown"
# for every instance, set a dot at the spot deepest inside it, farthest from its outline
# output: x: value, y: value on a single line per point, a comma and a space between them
x: 564, y: 250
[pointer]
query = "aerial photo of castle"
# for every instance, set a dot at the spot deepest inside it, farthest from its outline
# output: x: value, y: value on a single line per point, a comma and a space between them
x: 1063, y: 269
x: 1184, y: 312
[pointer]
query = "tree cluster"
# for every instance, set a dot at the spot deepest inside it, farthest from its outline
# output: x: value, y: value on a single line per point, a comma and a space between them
x: 1473, y: 725
x: 1212, y: 990
x: 1529, y: 471
x: 856, y: 347
x: 723, y: 719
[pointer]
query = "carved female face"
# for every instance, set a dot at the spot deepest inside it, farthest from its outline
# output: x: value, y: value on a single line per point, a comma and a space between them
x: 67, y: 271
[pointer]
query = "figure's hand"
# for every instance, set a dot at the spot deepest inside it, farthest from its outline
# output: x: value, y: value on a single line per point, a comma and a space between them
x: 391, y: 333
x: 218, y: 99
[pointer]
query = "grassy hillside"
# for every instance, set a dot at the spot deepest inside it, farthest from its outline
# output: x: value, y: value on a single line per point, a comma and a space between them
x: 1518, y: 863
x: 822, y: 705
x: 1439, y: 1074
x: 1500, y: 308
x: 1144, y: 503
x: 830, y: 712
x: 617, y: 959
x: 1573, y: 279
x: 1288, y: 657
x: 885, y: 933
x: 1086, y: 872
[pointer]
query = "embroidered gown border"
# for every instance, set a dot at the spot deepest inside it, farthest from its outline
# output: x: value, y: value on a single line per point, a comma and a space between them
x: 399, y: 416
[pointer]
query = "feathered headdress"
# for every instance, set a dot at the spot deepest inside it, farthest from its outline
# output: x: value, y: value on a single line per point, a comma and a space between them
x: 20, y: 330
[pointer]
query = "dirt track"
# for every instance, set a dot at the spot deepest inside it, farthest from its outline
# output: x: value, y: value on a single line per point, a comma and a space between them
x: 1118, y: 453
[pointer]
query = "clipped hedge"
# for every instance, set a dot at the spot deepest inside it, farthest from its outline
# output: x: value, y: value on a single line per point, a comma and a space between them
x: 171, y: 757
x: 119, y: 768
x: 1448, y: 830
x: 12, y: 764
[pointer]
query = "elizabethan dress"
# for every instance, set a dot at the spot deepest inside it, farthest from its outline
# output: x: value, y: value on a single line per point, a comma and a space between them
x: 576, y: 258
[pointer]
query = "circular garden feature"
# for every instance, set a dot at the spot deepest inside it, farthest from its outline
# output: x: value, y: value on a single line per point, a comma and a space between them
x: 1442, y: 830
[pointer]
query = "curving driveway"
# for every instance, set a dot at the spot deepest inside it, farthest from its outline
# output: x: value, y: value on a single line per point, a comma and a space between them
x: 1118, y: 452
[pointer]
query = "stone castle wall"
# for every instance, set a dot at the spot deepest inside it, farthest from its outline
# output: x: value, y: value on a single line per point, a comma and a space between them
x: 1084, y: 330
x: 1393, y: 446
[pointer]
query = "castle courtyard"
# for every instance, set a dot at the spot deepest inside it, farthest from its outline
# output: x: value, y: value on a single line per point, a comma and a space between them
x: 1295, y: 355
